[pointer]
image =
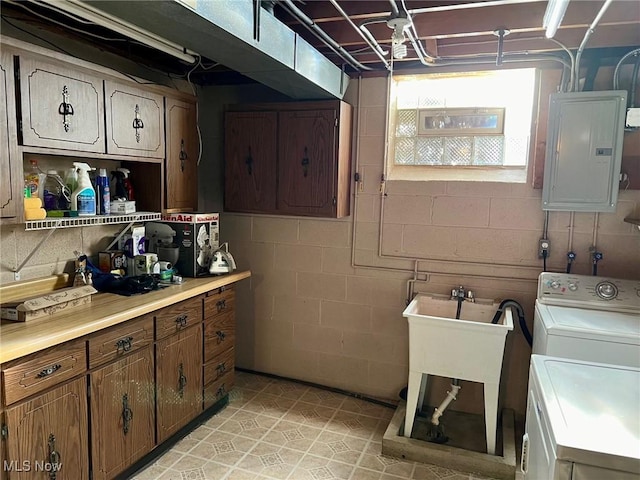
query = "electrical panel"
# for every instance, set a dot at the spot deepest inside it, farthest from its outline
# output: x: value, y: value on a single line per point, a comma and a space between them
x: 584, y: 151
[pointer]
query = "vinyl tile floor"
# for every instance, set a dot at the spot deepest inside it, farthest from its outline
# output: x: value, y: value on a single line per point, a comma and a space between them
x: 274, y: 429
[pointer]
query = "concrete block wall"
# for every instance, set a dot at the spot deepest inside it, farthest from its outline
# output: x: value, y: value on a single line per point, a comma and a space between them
x: 311, y: 311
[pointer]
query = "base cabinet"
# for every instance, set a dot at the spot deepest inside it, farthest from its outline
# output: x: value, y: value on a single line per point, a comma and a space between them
x: 178, y: 380
x: 47, y: 436
x: 122, y: 413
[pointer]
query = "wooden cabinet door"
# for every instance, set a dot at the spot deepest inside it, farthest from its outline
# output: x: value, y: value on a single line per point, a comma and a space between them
x: 307, y: 162
x: 181, y: 172
x: 49, y: 432
x: 61, y: 107
x: 178, y: 380
x: 135, y: 121
x: 10, y: 184
x: 250, y: 161
x: 122, y: 413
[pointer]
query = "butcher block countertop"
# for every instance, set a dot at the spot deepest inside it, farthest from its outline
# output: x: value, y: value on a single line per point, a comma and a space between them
x: 18, y: 339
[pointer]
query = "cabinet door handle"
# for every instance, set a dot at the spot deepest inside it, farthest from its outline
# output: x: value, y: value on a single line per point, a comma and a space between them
x: 183, y: 155
x: 137, y: 123
x: 127, y: 414
x: 181, y: 321
x: 49, y: 370
x: 182, y: 380
x: 305, y: 163
x: 221, y: 336
x: 249, y: 162
x: 221, y: 305
x: 124, y: 344
x: 65, y: 108
x: 54, y: 458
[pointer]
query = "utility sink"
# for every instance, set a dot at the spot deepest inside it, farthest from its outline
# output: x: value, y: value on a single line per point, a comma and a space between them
x: 469, y: 348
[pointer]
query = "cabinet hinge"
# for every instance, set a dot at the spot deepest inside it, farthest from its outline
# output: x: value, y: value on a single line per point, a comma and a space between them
x: 4, y: 431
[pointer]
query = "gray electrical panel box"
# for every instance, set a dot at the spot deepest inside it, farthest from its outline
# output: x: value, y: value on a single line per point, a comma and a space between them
x: 584, y: 151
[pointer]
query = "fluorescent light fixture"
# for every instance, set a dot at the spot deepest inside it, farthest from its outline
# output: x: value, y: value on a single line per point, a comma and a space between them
x: 87, y: 12
x: 553, y: 16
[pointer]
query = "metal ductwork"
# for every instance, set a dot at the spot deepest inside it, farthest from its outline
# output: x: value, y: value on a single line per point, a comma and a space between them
x: 242, y: 36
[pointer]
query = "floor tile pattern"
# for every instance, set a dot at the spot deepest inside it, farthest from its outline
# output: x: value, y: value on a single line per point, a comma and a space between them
x: 274, y: 429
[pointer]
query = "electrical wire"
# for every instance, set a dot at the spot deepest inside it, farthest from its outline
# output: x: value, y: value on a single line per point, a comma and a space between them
x: 57, y: 47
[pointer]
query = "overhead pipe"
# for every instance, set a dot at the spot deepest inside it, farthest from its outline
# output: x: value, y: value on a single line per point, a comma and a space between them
x: 374, y: 46
x: 322, y: 35
x: 587, y: 35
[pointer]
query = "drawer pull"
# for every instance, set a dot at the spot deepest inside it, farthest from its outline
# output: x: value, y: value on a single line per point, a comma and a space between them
x: 221, y: 392
x: 54, y: 458
x: 181, y: 321
x: 182, y: 381
x: 221, y: 368
x: 124, y: 344
x: 49, y: 370
x: 221, y: 305
x: 221, y: 336
x: 127, y: 414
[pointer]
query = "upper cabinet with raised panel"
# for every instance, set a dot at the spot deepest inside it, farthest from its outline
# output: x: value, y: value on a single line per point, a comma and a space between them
x: 181, y: 167
x: 288, y: 158
x: 9, y: 171
x: 135, y: 121
x: 61, y: 107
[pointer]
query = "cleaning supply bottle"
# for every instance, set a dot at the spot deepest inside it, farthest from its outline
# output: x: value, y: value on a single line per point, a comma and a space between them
x: 104, y: 195
x: 71, y: 179
x: 83, y: 199
x: 32, y: 178
x: 127, y: 182
x: 54, y: 192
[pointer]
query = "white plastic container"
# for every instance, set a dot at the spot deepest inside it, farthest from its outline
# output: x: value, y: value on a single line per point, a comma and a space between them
x: 83, y: 199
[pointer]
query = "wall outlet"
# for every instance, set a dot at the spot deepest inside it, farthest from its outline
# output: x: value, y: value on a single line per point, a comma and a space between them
x: 543, y: 247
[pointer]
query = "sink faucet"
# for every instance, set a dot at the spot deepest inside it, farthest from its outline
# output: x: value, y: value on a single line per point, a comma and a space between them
x: 461, y: 294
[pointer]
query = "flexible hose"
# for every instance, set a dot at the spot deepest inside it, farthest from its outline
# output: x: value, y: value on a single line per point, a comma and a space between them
x: 521, y: 320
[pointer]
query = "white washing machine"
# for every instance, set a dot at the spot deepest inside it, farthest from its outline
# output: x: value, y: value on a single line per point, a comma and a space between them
x: 588, y: 318
x: 583, y: 407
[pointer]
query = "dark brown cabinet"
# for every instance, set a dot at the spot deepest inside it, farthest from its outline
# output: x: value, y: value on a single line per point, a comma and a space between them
x: 48, y: 434
x: 181, y: 166
x: 291, y: 158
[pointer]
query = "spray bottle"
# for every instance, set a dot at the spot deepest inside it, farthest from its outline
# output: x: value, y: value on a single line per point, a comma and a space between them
x: 83, y: 199
x: 126, y: 182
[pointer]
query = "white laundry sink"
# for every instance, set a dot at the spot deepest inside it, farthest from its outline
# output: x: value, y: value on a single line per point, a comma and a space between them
x: 469, y: 348
x: 466, y: 348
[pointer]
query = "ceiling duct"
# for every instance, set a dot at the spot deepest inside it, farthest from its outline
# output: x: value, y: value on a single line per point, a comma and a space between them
x: 240, y: 35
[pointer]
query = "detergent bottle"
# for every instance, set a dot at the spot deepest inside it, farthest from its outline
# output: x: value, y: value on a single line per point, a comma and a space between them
x: 126, y: 182
x: 83, y: 199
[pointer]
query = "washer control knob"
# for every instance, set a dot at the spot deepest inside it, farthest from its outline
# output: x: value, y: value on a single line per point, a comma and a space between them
x: 573, y: 286
x: 606, y: 290
x: 554, y: 284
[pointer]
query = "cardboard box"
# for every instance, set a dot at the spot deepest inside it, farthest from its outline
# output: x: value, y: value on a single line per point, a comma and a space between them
x: 197, y: 236
x: 46, y: 304
x: 112, y: 260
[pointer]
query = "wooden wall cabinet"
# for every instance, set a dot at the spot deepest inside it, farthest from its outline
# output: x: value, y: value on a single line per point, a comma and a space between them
x: 61, y: 107
x: 306, y: 172
x: 183, y: 149
x: 135, y: 121
x: 10, y: 191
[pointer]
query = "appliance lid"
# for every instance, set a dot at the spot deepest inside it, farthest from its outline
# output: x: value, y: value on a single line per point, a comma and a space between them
x: 590, y: 324
x: 592, y: 410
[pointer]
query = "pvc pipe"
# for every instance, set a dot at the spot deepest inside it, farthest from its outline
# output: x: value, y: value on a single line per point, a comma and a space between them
x: 451, y: 395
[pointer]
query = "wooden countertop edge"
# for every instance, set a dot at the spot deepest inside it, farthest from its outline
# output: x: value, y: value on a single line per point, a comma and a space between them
x: 18, y: 339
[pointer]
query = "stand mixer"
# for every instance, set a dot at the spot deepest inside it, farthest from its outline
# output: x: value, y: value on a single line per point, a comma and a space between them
x: 161, y: 236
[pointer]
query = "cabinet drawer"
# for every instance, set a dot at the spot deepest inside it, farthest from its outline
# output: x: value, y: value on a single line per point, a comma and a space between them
x: 217, y: 390
x: 23, y: 378
x: 120, y: 340
x: 219, y: 302
x: 219, y: 335
x: 219, y: 367
x: 178, y: 317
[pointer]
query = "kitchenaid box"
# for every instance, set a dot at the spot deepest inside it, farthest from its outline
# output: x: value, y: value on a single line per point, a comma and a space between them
x: 197, y: 236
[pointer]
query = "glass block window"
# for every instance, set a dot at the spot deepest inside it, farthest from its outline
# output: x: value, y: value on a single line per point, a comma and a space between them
x: 510, y: 92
